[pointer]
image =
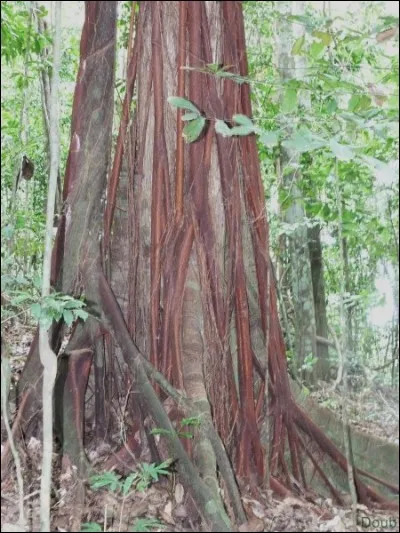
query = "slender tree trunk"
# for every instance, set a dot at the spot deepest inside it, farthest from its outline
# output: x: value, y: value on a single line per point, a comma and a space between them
x: 292, y: 67
x: 322, y: 369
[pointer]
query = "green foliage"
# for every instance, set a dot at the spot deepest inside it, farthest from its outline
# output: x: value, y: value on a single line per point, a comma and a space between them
x: 139, y: 480
x: 344, y: 123
x: 182, y: 103
x: 309, y: 363
x: 193, y: 129
x: 195, y: 121
x: 146, y: 524
x: 91, y: 527
x: 142, y: 525
x: 23, y: 294
x: 194, y: 421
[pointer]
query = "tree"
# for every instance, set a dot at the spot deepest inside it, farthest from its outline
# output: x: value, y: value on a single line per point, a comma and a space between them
x: 291, y: 69
x: 177, y: 272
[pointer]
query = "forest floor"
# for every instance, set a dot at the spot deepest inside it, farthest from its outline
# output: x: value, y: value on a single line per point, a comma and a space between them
x: 164, y: 506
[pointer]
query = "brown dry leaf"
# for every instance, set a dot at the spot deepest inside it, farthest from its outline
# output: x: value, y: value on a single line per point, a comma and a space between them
x: 336, y: 524
x: 254, y: 524
x: 180, y: 511
x: 179, y: 493
x: 166, y: 514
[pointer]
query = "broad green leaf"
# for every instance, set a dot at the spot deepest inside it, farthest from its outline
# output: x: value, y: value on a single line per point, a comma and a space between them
x: 304, y: 141
x: 242, y: 130
x: 182, y: 103
x: 324, y: 37
x: 269, y: 138
x: 359, y: 103
x: 36, y: 310
x: 222, y: 128
x: 243, y: 120
x: 289, y: 102
x: 341, y: 151
x: 298, y: 45
x: 189, y: 116
x: 74, y: 304
x: 46, y: 321
x: 317, y: 49
x: 380, y: 169
x: 80, y: 313
x: 52, y: 303
x: 330, y: 105
x: 193, y: 129
x: 68, y: 317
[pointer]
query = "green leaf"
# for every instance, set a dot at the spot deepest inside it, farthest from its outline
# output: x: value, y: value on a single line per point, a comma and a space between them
x: 269, y: 138
x: 191, y: 421
x: 222, y: 128
x: 80, y: 313
x: 107, y: 479
x: 189, y: 116
x: 341, y: 151
x: 298, y: 45
x: 324, y: 37
x: 144, y: 525
x: 317, y: 49
x: 359, y: 103
x: 213, y: 67
x: 20, y: 299
x: 127, y: 485
x: 193, y: 129
x: 242, y: 130
x: 46, y: 321
x: 304, y: 141
x: 243, y: 120
x: 91, y: 527
x: 160, y: 431
x: 36, y: 310
x: 182, y: 103
x: 68, y: 317
x: 330, y: 105
x: 289, y: 102
x: 53, y: 303
x: 74, y: 304
x: 380, y: 168
x: 185, y: 435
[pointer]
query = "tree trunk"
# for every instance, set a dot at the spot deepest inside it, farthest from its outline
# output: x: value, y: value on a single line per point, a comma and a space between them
x: 292, y: 67
x: 181, y: 283
x: 322, y: 369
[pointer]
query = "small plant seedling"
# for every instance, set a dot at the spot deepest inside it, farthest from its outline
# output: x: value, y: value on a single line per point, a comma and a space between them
x: 91, y: 527
x: 193, y: 421
x: 139, y: 480
x: 146, y: 524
